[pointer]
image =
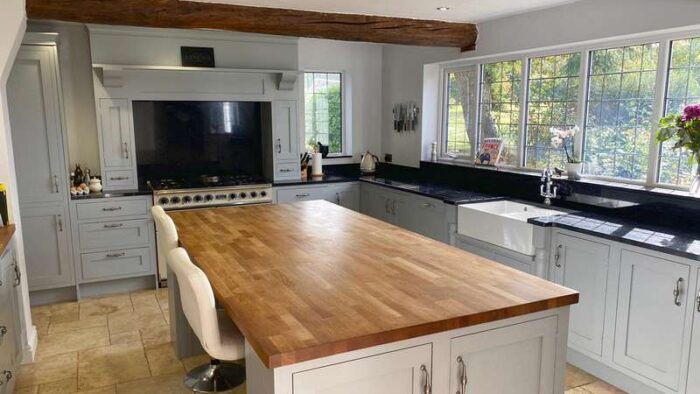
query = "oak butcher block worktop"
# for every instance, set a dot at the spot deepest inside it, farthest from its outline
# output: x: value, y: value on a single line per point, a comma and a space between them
x: 312, y: 279
x: 6, y: 234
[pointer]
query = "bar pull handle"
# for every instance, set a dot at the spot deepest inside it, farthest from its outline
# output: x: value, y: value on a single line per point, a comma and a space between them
x: 111, y: 209
x: 114, y: 255
x: 427, y: 389
x: 302, y: 195
x: 59, y: 223
x: 677, y: 292
x: 557, y: 256
x: 55, y: 184
x: 126, y: 150
x: 279, y: 145
x: 337, y: 198
x: 386, y: 206
x: 18, y: 274
x: 113, y: 225
x: 462, y: 376
x: 393, y: 207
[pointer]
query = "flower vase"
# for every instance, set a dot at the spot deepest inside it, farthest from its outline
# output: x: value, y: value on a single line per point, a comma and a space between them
x: 573, y: 170
x: 695, y: 186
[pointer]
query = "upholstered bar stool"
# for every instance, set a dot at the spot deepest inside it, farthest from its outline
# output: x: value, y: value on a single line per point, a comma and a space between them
x: 218, y: 335
x: 166, y: 234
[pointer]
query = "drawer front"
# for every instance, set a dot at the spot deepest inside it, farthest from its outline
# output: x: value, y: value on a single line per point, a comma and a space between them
x: 300, y: 194
x: 110, y: 235
x: 120, y: 179
x: 112, y: 208
x: 116, y: 263
x: 287, y: 170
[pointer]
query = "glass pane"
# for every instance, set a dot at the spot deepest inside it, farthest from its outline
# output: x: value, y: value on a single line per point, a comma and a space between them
x: 556, y: 104
x: 461, y: 97
x: 500, y: 105
x: 323, y: 114
x: 683, y: 88
x: 618, y: 120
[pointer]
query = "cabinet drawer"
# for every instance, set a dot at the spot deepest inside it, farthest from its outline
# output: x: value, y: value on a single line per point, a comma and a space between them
x: 116, y: 263
x: 287, y: 170
x: 110, y: 235
x: 119, y: 179
x: 300, y: 194
x: 112, y: 208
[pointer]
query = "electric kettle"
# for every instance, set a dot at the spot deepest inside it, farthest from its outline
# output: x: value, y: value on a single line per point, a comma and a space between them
x: 368, y: 165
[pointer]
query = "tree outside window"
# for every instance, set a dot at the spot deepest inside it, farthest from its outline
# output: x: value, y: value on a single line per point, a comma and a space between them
x: 323, y: 117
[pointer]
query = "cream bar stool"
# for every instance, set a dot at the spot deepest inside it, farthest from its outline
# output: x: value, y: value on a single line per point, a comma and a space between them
x: 166, y: 235
x: 218, y: 335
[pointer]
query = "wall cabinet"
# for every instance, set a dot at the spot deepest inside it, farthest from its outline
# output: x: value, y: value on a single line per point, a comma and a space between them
x: 285, y: 140
x: 10, y: 337
x: 583, y: 265
x: 117, y: 150
x: 652, y: 310
x: 403, y: 371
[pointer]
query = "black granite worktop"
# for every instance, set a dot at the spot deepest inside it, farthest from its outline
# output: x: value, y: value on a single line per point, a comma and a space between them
x: 113, y: 194
x: 447, y: 194
x: 679, y: 241
x: 328, y: 178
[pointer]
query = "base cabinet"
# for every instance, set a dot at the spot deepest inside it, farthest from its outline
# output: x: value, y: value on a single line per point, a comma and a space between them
x: 694, y: 368
x: 344, y: 194
x: 403, y: 371
x: 652, y: 311
x: 9, y: 322
x: 583, y: 265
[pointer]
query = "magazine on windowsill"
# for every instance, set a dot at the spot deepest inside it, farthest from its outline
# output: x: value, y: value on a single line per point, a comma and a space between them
x: 490, y: 152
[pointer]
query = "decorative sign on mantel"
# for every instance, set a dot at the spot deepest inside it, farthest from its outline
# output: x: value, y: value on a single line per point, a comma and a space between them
x: 197, y: 57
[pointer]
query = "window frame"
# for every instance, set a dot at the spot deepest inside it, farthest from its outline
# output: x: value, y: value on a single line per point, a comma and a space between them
x: 443, y: 105
x: 663, y: 38
x: 345, y: 122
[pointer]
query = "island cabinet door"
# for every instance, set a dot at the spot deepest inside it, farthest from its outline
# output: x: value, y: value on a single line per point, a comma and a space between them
x: 583, y: 265
x: 694, y: 369
x: 518, y: 359
x: 651, y: 331
x: 400, y: 372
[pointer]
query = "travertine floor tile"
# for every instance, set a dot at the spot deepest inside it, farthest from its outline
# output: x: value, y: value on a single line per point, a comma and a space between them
x: 27, y: 390
x: 102, y: 390
x: 195, y: 361
x: 55, y: 309
x: 111, y: 364
x: 167, y: 384
x: 145, y: 302
x: 163, y: 361
x: 61, y: 324
x: 576, y: 377
x: 54, y: 369
x: 71, y: 341
x: 125, y: 337
x: 155, y: 335
x: 577, y: 390
x: 600, y: 387
x: 106, y: 305
x: 129, y: 321
x: 66, y: 386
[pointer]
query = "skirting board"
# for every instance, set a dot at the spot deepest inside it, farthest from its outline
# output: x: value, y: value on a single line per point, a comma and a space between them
x: 29, y: 351
x: 607, y: 374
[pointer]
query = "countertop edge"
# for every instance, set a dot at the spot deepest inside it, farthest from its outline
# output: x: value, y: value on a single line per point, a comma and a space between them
x: 386, y: 337
x: 6, y: 234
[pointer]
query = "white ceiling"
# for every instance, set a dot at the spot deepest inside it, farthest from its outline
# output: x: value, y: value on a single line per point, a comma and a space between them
x: 460, y: 10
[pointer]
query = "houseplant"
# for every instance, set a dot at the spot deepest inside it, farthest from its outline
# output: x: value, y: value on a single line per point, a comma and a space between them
x: 685, y: 130
x: 564, y: 139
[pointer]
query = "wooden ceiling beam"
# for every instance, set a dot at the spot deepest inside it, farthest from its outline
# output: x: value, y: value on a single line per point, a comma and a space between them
x: 196, y: 15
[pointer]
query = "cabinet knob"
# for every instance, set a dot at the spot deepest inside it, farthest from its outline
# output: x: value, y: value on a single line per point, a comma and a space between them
x: 677, y: 292
x: 462, y: 373
x: 3, y: 331
x: 427, y: 389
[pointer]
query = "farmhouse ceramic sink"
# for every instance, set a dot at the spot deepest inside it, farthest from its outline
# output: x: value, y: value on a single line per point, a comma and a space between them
x: 502, y: 223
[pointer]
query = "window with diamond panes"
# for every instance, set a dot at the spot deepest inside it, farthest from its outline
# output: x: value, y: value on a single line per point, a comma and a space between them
x: 323, y: 117
x: 619, y: 111
x: 461, y: 97
x: 499, y: 106
x: 683, y: 88
x: 553, y: 88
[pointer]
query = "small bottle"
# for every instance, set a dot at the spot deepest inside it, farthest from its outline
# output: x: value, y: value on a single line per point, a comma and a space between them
x: 433, y: 151
x: 78, y: 178
x: 86, y: 178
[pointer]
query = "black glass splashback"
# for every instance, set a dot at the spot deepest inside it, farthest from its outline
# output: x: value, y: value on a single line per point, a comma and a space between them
x: 192, y: 138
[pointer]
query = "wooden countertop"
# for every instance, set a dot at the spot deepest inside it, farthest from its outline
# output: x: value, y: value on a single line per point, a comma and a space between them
x: 312, y: 279
x: 6, y: 234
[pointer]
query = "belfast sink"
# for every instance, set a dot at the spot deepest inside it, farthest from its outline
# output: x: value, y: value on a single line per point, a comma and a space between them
x: 502, y: 223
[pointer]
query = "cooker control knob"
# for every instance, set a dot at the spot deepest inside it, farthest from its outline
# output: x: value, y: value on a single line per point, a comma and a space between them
x: 263, y: 193
x: 163, y: 200
x: 187, y: 199
x: 209, y: 197
x: 253, y: 194
x: 197, y: 198
x: 175, y: 200
x: 232, y: 196
x: 243, y: 195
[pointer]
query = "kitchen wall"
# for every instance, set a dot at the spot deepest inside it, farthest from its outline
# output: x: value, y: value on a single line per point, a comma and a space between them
x: 402, y: 81
x: 362, y: 67
x: 12, y: 26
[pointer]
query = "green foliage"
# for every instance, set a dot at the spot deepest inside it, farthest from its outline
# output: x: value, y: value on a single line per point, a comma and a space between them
x: 686, y: 134
x: 324, y: 117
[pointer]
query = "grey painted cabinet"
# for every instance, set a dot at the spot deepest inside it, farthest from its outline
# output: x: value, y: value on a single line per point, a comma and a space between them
x: 694, y: 369
x: 36, y: 117
x: 344, y: 194
x: 117, y: 150
x: 9, y: 322
x: 47, y: 247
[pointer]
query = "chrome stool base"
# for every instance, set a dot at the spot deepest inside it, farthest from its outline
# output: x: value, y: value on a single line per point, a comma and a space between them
x: 215, y: 377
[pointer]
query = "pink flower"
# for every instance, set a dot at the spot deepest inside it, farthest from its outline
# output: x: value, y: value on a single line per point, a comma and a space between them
x: 691, y: 112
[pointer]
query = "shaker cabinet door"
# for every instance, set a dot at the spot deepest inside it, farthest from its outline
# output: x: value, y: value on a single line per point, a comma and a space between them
x: 115, y: 133
x: 285, y: 133
x: 46, y: 237
x: 694, y: 369
x: 652, y: 310
x: 583, y: 265
x: 398, y: 372
x: 35, y: 118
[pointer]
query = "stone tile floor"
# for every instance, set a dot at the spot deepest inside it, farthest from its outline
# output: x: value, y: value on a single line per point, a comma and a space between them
x: 121, y: 344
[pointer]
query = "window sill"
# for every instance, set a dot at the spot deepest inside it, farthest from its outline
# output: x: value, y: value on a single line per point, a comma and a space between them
x: 337, y: 156
x: 654, y: 189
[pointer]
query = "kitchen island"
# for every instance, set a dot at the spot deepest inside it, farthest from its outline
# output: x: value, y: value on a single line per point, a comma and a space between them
x: 333, y: 301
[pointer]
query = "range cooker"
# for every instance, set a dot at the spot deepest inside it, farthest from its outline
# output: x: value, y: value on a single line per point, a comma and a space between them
x: 207, y: 190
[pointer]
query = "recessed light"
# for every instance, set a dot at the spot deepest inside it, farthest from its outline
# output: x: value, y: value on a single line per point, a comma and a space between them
x: 443, y: 8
